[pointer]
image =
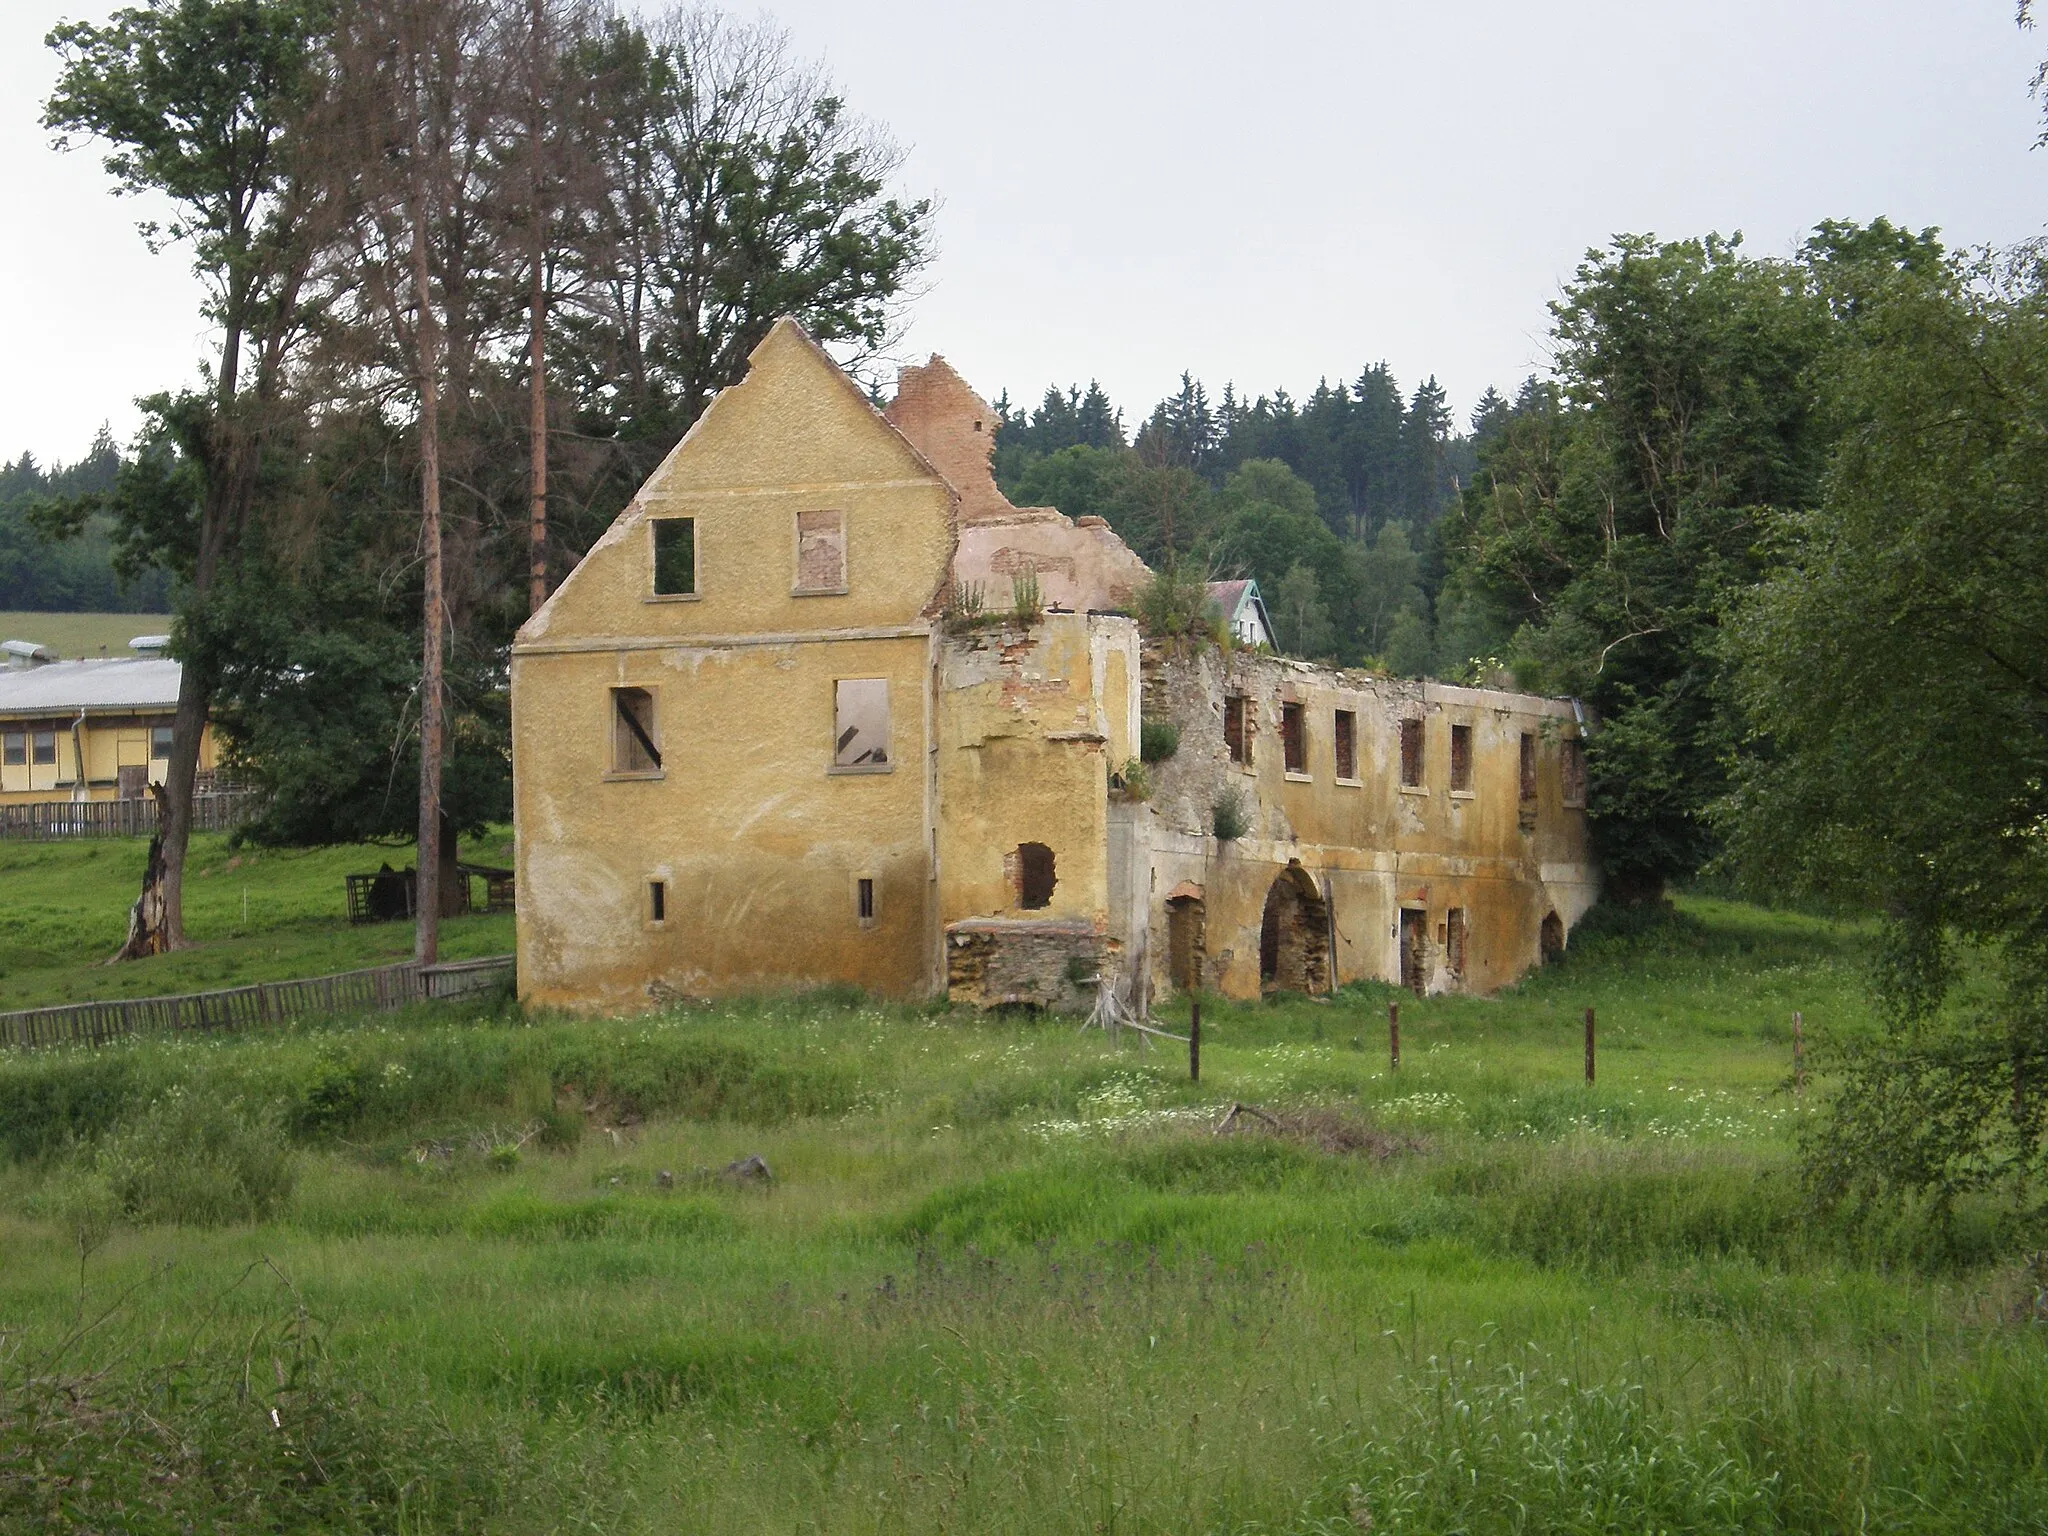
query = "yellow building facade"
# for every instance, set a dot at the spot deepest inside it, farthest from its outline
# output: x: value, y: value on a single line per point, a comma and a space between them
x: 86, y: 730
x: 822, y: 706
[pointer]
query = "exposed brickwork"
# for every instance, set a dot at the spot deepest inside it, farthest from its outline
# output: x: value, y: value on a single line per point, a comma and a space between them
x: 992, y: 961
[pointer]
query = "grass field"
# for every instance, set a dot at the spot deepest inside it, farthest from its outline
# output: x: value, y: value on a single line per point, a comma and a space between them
x: 480, y: 1271
x: 72, y: 635
x: 253, y: 914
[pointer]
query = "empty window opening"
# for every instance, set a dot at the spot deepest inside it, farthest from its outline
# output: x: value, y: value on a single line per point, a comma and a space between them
x: 1454, y: 941
x: 1035, y: 878
x: 1528, y: 765
x: 46, y: 749
x: 820, y: 552
x: 675, y: 557
x: 159, y: 742
x: 634, y: 748
x: 1411, y: 754
x: 1461, y: 758
x: 1414, y: 959
x: 1347, y: 744
x: 1294, y: 935
x: 864, y: 899
x: 1294, y: 737
x: 1575, y: 772
x: 657, y: 901
x: 16, y: 749
x: 1235, y: 739
x: 860, y: 725
x: 1550, y: 937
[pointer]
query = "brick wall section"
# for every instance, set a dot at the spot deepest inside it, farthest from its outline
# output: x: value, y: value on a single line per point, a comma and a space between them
x: 992, y: 961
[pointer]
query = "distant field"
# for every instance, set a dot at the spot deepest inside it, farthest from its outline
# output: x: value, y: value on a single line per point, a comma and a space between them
x: 83, y: 634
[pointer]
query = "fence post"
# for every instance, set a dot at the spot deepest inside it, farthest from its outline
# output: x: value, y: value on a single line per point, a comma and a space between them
x: 1798, y: 1052
x: 1589, y: 1047
x: 1195, y: 1042
x: 1393, y: 1037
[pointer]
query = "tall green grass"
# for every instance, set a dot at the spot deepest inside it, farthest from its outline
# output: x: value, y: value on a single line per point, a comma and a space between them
x: 1007, y: 1277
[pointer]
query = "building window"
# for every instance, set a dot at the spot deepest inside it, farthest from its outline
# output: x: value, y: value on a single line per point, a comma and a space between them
x: 1294, y: 737
x: 1347, y: 744
x: 1461, y: 759
x: 864, y: 901
x: 45, y: 749
x: 635, y: 741
x: 1528, y: 766
x: 1411, y: 754
x: 1575, y: 772
x: 657, y: 901
x: 861, y: 723
x: 1454, y: 941
x: 675, y: 557
x: 15, y: 749
x: 159, y: 743
x: 1035, y: 878
x: 820, y: 552
x: 1236, y: 741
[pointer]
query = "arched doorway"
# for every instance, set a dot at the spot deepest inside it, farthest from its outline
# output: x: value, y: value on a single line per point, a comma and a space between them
x: 1294, y: 936
x: 1550, y: 937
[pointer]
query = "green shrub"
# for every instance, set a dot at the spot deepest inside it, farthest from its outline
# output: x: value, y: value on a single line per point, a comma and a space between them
x: 196, y: 1160
x: 1157, y: 740
x: 1228, y: 818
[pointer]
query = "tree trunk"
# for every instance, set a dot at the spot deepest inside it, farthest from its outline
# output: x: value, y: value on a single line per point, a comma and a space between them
x: 427, y: 940
x: 537, y: 530
x: 147, y: 930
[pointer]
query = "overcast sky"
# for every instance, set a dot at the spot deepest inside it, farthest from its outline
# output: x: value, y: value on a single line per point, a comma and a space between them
x: 1267, y: 192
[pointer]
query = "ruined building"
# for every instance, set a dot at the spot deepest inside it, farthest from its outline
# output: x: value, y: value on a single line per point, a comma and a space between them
x: 822, y: 706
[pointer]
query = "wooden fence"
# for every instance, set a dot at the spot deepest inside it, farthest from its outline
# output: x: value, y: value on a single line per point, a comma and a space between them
x: 48, y: 820
x: 267, y: 1002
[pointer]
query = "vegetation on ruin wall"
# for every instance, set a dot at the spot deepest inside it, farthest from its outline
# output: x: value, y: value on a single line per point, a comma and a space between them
x: 1004, y: 1277
x: 254, y: 914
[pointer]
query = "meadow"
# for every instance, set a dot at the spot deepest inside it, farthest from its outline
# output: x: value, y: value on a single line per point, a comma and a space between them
x: 473, y: 1269
x: 73, y: 635
x: 253, y: 914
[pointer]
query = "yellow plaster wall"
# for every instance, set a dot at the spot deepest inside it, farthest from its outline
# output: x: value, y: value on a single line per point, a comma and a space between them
x: 759, y: 840
x: 109, y: 746
x: 1029, y: 724
x: 1374, y: 846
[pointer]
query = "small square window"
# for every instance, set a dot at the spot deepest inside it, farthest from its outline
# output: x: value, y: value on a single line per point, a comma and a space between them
x: 1411, y: 754
x: 675, y: 556
x: 636, y: 742
x: 1294, y: 737
x: 45, y: 749
x: 860, y: 723
x: 1347, y: 744
x: 15, y: 749
x: 657, y: 901
x: 820, y: 553
x: 1575, y: 772
x: 1528, y: 765
x: 159, y: 743
x: 1236, y: 739
x: 1461, y: 759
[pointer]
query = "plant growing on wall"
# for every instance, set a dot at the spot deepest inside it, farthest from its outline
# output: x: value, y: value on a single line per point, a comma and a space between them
x: 1027, y: 604
x: 1227, y: 817
x: 1157, y: 740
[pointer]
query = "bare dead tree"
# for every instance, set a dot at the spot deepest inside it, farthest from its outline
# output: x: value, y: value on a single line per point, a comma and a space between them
x: 421, y: 129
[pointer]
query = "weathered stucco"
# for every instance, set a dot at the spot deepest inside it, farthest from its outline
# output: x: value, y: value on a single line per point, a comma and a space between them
x: 1001, y: 852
